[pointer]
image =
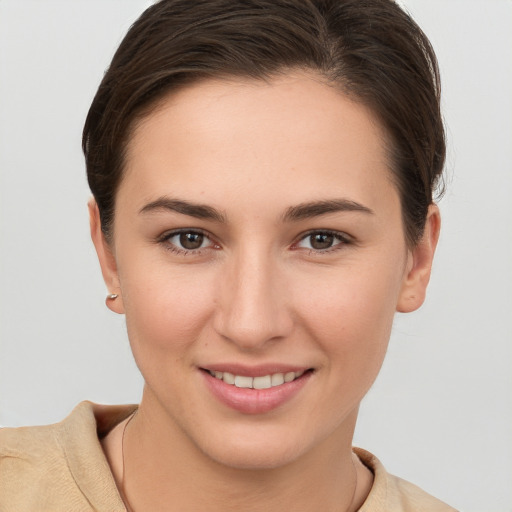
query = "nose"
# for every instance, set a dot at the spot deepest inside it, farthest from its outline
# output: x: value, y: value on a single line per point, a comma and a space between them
x: 253, y: 302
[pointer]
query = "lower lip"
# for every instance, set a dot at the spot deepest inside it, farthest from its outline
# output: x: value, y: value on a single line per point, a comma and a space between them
x: 254, y: 401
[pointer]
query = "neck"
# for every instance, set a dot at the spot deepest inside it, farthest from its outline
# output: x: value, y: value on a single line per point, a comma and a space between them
x: 164, y: 470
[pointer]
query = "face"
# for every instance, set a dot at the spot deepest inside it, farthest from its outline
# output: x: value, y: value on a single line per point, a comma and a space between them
x: 258, y: 240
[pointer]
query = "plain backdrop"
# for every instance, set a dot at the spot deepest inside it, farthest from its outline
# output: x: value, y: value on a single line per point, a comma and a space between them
x: 439, y: 414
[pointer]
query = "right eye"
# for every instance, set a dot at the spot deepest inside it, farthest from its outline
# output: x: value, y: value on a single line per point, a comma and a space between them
x: 187, y: 241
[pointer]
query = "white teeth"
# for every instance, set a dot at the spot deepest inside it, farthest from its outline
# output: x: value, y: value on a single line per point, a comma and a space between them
x: 228, y: 378
x: 277, y: 379
x: 288, y: 377
x: 243, y: 382
x: 263, y: 382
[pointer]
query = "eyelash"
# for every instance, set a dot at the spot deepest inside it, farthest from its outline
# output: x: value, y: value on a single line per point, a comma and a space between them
x: 166, y: 237
x: 342, y: 240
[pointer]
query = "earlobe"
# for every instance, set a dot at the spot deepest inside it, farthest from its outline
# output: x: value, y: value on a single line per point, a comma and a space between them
x: 106, y: 259
x: 419, y: 265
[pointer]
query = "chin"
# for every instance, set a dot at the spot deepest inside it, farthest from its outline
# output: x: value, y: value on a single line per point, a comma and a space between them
x: 254, y: 457
x: 256, y: 447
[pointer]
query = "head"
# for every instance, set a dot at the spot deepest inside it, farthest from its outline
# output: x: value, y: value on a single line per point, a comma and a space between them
x: 373, y: 52
x: 263, y: 174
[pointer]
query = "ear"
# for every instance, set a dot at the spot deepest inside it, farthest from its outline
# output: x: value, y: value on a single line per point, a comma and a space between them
x: 419, y: 264
x: 106, y: 258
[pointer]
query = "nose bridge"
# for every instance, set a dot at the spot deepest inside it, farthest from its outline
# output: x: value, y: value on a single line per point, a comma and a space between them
x: 252, y: 308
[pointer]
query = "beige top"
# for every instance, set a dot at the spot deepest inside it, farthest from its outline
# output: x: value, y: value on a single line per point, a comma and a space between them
x: 62, y: 467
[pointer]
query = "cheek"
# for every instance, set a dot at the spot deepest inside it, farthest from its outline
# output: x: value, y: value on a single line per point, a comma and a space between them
x: 352, y: 315
x: 165, y: 311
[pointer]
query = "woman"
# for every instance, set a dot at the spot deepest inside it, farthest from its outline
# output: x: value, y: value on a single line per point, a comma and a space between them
x: 263, y: 177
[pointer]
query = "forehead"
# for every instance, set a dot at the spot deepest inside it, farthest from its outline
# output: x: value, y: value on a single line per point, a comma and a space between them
x: 294, y: 134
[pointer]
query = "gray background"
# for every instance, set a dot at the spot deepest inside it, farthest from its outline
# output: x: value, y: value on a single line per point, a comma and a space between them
x: 440, y: 412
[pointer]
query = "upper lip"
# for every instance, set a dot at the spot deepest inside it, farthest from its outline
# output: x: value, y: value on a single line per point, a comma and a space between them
x: 254, y: 370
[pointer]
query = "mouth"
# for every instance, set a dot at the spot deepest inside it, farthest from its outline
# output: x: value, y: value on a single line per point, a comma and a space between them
x: 261, y: 382
x: 259, y: 393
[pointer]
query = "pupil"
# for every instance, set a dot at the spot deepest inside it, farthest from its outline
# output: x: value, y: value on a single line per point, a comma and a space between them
x: 322, y: 241
x: 191, y: 240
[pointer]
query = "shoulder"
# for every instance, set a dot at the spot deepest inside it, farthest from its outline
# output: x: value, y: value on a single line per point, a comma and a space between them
x: 32, y: 461
x: 25, y: 445
x: 392, y: 493
x: 54, y: 466
x: 411, y: 497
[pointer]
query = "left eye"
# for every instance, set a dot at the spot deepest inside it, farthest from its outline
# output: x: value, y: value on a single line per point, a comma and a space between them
x: 321, y: 241
x: 189, y: 240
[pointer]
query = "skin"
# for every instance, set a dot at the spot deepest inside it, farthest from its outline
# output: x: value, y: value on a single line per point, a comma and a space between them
x: 256, y: 292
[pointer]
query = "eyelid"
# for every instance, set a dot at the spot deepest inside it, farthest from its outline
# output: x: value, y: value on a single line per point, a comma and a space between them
x: 167, y: 235
x: 343, y: 238
x: 173, y: 232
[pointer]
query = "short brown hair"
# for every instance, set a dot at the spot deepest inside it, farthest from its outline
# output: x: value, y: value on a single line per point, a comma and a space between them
x: 371, y: 49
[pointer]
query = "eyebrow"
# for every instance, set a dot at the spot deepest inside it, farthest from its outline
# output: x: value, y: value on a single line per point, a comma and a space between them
x: 316, y: 208
x: 200, y: 211
x: 294, y: 213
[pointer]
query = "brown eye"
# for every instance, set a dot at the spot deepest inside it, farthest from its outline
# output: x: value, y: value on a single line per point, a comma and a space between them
x: 323, y: 241
x: 185, y: 241
x: 320, y: 241
x: 191, y: 241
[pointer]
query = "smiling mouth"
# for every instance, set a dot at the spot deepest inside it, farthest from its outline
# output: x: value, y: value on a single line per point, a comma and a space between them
x: 262, y: 382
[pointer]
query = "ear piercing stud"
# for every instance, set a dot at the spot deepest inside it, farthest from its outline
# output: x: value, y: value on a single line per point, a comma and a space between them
x: 112, y: 296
